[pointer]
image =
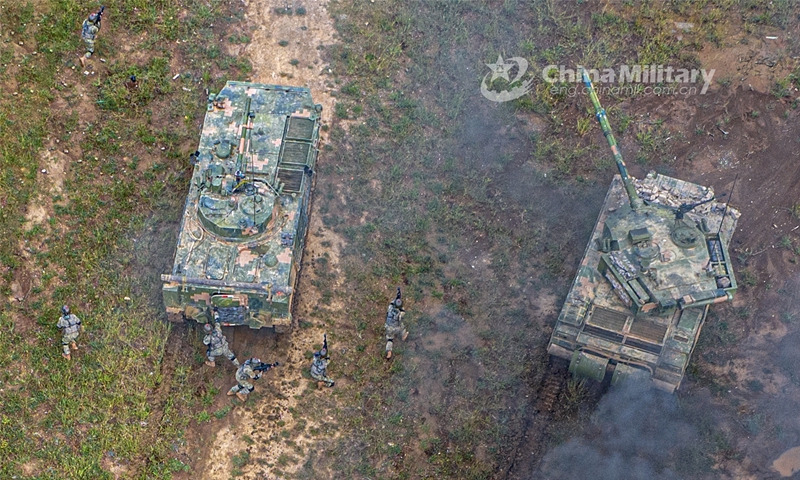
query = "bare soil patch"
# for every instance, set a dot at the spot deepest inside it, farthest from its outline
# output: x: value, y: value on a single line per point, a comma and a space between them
x: 259, y: 427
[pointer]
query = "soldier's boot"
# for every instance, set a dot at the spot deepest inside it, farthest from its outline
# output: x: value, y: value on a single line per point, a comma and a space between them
x: 389, y: 344
x: 67, y: 356
x: 211, y: 363
x: 73, y: 345
x: 331, y: 383
x: 241, y: 396
x: 320, y: 385
x: 388, y: 355
x: 235, y: 361
x: 83, y: 61
x: 405, y: 335
x: 231, y: 392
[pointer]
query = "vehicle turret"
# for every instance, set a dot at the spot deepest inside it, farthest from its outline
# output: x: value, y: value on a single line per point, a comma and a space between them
x: 657, y: 258
x: 244, y: 224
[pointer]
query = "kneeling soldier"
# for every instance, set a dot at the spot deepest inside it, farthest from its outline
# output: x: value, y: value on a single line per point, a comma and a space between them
x: 319, y: 368
x: 394, y: 323
x: 217, y: 343
x: 70, y: 326
x: 250, y: 370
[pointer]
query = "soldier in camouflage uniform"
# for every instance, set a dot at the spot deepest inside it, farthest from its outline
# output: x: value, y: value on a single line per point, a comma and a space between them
x: 89, y: 31
x: 217, y: 343
x: 70, y: 326
x: 244, y: 374
x: 394, y: 323
x: 319, y: 368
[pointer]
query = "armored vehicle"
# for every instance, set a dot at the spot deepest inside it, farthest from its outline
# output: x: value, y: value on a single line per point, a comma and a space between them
x: 244, y: 224
x: 656, y: 261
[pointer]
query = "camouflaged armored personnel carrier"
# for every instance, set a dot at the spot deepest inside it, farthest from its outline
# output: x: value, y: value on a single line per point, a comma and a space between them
x: 656, y: 261
x: 244, y: 224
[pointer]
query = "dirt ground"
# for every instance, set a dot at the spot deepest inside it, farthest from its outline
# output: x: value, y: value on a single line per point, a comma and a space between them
x: 738, y: 138
x: 210, y: 448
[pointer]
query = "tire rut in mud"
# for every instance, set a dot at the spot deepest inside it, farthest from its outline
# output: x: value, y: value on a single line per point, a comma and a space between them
x: 177, y: 345
x: 534, y: 434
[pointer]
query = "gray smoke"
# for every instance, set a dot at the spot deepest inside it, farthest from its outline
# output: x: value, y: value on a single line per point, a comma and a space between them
x: 636, y: 432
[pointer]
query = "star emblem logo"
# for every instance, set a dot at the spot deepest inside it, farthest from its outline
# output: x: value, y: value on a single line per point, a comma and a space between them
x: 499, y: 69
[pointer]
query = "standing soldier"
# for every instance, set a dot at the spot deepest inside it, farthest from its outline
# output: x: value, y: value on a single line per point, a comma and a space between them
x: 70, y: 326
x: 319, y: 368
x: 217, y: 343
x: 89, y: 33
x: 250, y: 370
x: 394, y: 323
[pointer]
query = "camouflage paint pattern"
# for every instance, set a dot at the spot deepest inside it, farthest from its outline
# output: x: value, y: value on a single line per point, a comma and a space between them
x: 643, y: 305
x: 657, y: 259
x: 244, y: 224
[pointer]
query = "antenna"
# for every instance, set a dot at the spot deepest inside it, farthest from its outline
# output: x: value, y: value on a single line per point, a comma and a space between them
x: 725, y: 211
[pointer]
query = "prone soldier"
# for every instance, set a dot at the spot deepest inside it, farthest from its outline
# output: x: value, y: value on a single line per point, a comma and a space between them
x: 70, y: 326
x: 217, y: 343
x: 319, y: 367
x: 394, y: 323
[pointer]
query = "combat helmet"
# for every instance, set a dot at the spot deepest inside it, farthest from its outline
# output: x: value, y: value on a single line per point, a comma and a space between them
x: 208, y: 328
x: 65, y: 310
x: 92, y: 17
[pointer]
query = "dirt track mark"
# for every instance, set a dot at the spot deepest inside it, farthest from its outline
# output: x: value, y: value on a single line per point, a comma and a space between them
x: 175, y: 345
x: 530, y: 448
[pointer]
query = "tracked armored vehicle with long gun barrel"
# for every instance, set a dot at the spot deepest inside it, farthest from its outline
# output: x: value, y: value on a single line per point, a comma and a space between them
x: 655, y: 263
x: 244, y: 225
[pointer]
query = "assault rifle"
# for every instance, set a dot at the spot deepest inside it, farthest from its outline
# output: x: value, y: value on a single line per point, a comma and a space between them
x: 99, y: 15
x: 325, y: 344
x: 265, y: 367
x: 398, y: 300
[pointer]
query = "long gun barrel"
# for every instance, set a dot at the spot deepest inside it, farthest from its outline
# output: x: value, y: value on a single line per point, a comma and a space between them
x: 602, y: 119
x: 99, y: 15
x: 265, y: 367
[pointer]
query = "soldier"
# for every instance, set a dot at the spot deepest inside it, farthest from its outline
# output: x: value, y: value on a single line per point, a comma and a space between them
x: 217, y: 343
x: 89, y: 33
x: 394, y: 323
x: 319, y: 368
x: 243, y: 376
x: 70, y: 325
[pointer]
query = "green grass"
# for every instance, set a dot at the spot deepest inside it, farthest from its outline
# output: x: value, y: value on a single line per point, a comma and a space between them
x: 442, y: 179
x: 64, y: 417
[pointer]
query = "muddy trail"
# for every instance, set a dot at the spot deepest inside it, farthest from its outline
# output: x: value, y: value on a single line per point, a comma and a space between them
x: 247, y: 438
x: 732, y: 134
